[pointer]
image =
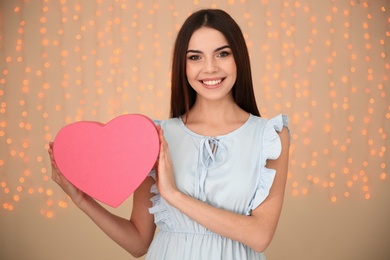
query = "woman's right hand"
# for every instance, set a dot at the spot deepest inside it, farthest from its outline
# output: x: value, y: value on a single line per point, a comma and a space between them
x: 72, y: 191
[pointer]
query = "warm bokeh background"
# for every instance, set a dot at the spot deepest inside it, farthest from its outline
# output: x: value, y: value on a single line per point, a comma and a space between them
x: 324, y: 63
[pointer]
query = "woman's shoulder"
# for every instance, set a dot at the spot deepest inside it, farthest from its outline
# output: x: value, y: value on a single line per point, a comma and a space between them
x: 167, y: 121
x: 282, y: 118
x: 277, y: 122
x: 170, y: 125
x: 272, y: 127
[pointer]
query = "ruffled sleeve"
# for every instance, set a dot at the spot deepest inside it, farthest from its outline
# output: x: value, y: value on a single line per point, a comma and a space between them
x: 272, y: 148
x: 162, y: 216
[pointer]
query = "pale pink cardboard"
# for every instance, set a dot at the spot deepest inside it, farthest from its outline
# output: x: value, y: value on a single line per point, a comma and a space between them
x: 107, y: 161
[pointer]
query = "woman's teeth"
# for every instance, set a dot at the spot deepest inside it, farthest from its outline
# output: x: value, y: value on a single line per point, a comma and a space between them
x: 211, y: 82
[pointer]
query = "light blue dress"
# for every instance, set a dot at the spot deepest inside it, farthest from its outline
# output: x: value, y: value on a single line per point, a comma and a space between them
x: 227, y: 172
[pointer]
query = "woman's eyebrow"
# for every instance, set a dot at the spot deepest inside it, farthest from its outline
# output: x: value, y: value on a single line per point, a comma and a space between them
x: 221, y: 48
x: 194, y: 51
x: 216, y: 50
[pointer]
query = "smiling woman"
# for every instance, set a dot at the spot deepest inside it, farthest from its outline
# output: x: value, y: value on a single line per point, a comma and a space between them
x: 218, y: 185
x: 221, y: 185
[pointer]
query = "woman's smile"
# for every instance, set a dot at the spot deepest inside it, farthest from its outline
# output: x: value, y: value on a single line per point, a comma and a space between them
x: 212, y: 83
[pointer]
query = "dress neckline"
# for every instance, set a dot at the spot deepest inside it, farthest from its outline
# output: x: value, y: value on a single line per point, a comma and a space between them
x: 235, y: 131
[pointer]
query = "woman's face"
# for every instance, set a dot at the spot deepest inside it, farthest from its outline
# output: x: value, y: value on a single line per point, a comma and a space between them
x: 210, y: 66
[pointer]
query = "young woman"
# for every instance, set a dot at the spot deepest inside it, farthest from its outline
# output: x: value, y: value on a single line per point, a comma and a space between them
x: 218, y: 187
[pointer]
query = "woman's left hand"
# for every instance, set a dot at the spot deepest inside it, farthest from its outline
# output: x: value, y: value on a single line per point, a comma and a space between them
x: 165, y: 179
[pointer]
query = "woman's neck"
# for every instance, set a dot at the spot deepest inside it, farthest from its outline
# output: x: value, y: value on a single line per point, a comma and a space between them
x: 215, y: 118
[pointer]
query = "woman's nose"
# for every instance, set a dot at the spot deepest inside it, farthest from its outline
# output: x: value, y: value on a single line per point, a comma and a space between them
x: 210, y: 66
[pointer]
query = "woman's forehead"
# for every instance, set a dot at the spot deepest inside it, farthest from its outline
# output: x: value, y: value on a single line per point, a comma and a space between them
x: 207, y: 38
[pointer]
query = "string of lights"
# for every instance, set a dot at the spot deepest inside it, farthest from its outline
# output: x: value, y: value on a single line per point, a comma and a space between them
x: 324, y: 63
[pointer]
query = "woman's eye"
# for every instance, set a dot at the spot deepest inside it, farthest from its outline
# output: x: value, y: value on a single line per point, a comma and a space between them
x: 223, y: 54
x: 194, y: 57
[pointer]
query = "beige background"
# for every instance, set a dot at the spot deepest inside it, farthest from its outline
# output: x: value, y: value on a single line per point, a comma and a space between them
x: 323, y: 63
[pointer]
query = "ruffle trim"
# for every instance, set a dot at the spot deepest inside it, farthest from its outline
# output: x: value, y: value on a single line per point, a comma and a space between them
x: 162, y: 215
x: 272, y: 148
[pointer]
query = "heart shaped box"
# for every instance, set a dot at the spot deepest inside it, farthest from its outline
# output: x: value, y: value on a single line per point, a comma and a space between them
x: 107, y: 161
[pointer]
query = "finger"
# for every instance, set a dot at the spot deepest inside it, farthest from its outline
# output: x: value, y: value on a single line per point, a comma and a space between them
x: 50, y: 146
x: 50, y: 150
x: 54, y: 166
x: 51, y: 156
x: 162, y: 141
x: 161, y: 134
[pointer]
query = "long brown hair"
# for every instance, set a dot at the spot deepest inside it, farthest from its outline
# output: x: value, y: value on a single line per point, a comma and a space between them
x: 183, y: 96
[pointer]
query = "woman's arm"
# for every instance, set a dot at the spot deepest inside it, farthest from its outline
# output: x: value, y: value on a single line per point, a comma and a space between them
x: 134, y: 235
x: 256, y: 230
